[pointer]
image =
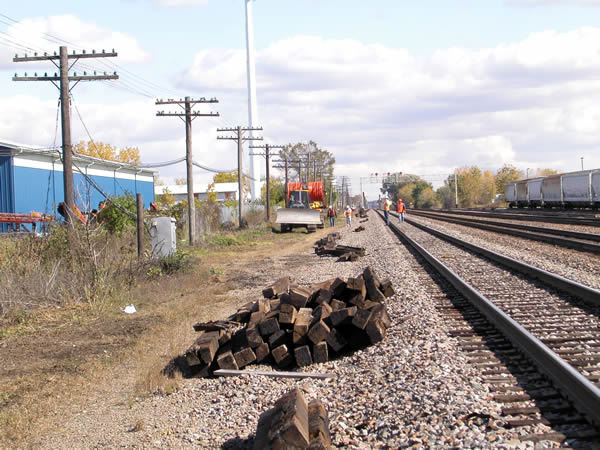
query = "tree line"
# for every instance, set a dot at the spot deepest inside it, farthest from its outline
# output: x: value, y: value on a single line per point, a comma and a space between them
x: 473, y: 186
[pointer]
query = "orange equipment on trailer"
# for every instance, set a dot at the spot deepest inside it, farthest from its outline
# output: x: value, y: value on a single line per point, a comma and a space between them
x: 19, y: 220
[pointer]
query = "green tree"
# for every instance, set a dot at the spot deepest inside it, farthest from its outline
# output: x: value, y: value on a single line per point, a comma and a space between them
x: 226, y: 177
x: 166, y: 199
x: 507, y: 174
x: 277, y: 192
x: 405, y: 193
x: 426, y: 198
x: 180, y: 181
x: 445, y: 194
x: 322, y: 161
x: 487, y: 190
x: 119, y: 214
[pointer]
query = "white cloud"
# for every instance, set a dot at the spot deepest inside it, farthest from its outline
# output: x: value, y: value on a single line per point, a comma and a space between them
x: 532, y: 103
x: 46, y: 34
x: 179, y: 3
x: 528, y: 102
x: 557, y: 2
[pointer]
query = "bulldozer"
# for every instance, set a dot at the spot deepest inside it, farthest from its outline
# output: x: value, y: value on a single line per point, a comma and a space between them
x: 304, y: 207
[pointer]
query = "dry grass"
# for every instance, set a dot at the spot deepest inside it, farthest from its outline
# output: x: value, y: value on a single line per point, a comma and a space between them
x: 55, y: 360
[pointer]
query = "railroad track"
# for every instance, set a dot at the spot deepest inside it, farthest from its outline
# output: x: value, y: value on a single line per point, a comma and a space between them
x: 536, y: 345
x: 586, y: 220
x: 585, y: 242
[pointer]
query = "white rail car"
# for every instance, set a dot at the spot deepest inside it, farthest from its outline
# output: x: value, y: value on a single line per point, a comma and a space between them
x: 574, y: 189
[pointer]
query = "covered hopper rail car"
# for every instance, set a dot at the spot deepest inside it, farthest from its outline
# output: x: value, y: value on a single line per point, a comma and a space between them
x: 568, y: 190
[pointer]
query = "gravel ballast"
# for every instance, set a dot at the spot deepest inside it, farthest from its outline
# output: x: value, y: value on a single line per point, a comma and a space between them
x: 413, y: 388
x: 572, y: 264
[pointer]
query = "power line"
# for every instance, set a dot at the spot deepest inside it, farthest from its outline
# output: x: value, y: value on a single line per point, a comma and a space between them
x: 187, y: 104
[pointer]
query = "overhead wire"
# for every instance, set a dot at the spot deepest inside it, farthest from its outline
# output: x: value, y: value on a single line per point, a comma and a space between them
x: 135, y: 87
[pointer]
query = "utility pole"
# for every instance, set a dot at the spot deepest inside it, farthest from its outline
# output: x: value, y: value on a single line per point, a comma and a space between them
x: 65, y: 102
x: 240, y: 139
x: 455, y: 190
x: 187, y: 116
x: 267, y: 155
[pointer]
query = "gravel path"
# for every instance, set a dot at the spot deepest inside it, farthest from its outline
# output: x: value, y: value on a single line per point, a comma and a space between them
x: 572, y: 264
x: 414, y: 388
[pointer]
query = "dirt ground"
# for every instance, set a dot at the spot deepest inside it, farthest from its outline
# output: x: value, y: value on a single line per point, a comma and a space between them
x: 63, y: 361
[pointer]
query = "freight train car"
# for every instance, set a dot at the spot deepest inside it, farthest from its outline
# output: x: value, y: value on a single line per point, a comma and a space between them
x: 579, y: 189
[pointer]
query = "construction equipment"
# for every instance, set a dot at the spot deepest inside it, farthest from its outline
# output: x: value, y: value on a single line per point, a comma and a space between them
x: 16, y: 221
x: 305, y: 203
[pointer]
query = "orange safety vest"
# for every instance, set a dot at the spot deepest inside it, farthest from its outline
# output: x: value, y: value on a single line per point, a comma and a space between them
x: 348, y: 212
x: 386, y: 205
x: 401, y: 208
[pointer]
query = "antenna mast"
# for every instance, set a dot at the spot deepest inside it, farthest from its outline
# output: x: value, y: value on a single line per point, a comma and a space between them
x: 252, y: 107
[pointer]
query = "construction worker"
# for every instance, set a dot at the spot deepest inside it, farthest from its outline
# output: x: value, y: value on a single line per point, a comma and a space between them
x: 401, y: 210
x: 331, y: 214
x: 386, y: 209
x: 348, y: 214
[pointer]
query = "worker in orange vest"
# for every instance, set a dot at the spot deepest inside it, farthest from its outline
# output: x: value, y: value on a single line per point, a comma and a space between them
x: 348, y: 214
x: 386, y: 209
x: 401, y: 210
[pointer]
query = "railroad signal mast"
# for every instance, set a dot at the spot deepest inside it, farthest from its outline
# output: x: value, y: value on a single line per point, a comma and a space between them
x: 63, y: 79
x: 188, y: 116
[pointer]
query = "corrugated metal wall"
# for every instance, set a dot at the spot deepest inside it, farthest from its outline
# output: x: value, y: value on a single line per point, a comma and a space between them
x: 41, y: 190
x: 6, y: 188
x: 6, y: 185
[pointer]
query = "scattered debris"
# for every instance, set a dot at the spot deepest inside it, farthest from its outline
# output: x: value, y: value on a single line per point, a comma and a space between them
x: 264, y: 373
x: 328, y: 246
x: 364, y: 220
x: 129, y: 309
x: 294, y: 326
x: 294, y: 423
x: 359, y: 229
x: 362, y: 213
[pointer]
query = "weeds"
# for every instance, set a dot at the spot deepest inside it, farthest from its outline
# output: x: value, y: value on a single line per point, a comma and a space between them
x: 222, y: 241
x: 89, y: 266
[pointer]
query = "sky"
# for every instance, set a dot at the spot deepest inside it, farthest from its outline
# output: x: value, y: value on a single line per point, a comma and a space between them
x: 386, y: 85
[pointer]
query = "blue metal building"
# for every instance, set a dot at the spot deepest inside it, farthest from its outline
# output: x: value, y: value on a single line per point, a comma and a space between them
x: 32, y: 180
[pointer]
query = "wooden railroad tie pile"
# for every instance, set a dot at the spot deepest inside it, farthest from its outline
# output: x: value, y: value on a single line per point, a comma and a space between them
x: 295, y: 325
x: 328, y: 246
x: 293, y: 423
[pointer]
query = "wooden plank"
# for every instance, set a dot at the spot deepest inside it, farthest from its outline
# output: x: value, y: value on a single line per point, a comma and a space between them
x: 263, y: 373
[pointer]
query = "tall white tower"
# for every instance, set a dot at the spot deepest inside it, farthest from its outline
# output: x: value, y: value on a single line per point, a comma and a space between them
x: 252, y: 109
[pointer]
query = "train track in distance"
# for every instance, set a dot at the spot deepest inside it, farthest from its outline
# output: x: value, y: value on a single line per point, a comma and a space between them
x: 585, y: 242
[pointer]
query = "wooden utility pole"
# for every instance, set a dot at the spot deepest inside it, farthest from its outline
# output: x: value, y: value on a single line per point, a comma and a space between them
x: 189, y: 115
x: 240, y: 139
x: 63, y: 79
x: 267, y: 155
x: 140, y: 225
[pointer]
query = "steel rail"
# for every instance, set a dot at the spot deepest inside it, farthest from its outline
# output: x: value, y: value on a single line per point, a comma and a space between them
x: 584, y: 395
x: 588, y: 294
x: 517, y: 226
x: 528, y: 217
x: 532, y: 235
